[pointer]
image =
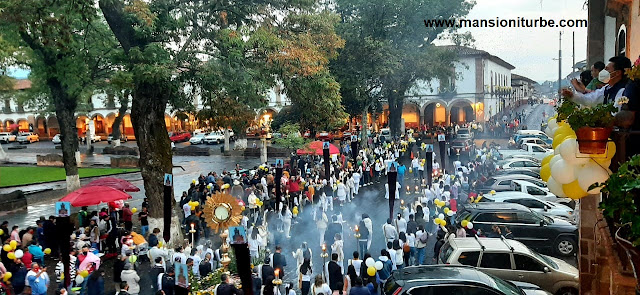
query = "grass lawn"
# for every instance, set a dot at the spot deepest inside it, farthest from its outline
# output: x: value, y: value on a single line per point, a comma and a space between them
x: 10, y: 176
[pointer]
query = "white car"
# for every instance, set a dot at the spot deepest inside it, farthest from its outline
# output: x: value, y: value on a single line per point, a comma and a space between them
x: 536, y: 191
x: 197, y: 139
x: 7, y: 137
x: 94, y: 138
x: 214, y: 138
x: 533, y: 203
x: 56, y: 139
x: 29, y: 137
x: 519, y: 163
x: 531, y: 131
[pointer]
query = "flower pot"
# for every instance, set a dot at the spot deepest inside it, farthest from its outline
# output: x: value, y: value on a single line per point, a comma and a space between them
x: 633, y: 253
x: 593, y: 140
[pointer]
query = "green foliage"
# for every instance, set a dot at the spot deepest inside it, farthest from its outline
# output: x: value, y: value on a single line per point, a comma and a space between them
x: 205, y: 283
x: 291, y: 137
x: 596, y: 116
x: 621, y: 200
x: 565, y: 108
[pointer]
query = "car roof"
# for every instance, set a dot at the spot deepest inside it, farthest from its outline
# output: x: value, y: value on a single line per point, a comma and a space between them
x: 506, y: 195
x: 511, y: 176
x: 489, y: 244
x: 491, y: 206
x: 442, y: 273
x: 524, y: 182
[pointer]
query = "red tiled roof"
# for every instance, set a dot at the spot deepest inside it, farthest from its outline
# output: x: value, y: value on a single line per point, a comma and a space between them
x: 22, y: 84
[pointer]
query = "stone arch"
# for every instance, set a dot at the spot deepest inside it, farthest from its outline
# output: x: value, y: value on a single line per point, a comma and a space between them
x: 99, y: 124
x: 435, y: 113
x: 53, y: 126
x: 265, y: 116
x: 82, y: 124
x: 169, y: 123
x: 411, y: 114
x: 621, y: 44
x: 40, y: 127
x: 109, y: 119
x: 127, y: 127
x: 7, y: 125
x: 461, y: 111
x: 23, y: 125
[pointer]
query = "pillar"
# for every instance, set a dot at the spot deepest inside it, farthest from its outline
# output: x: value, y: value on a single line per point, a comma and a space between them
x: 595, y: 31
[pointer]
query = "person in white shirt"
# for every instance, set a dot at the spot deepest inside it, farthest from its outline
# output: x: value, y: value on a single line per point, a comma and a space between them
x: 615, y: 78
x: 389, y: 231
x: 415, y: 164
x: 350, y: 187
x: 356, y: 180
x: 369, y: 224
x: 401, y: 223
x: 255, y: 242
x: 397, y: 191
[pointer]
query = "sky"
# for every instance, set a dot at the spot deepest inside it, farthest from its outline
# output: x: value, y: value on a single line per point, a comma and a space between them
x: 531, y: 50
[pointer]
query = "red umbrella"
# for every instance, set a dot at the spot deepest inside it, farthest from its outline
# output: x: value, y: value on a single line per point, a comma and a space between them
x: 94, y: 195
x: 117, y: 183
x: 315, y: 148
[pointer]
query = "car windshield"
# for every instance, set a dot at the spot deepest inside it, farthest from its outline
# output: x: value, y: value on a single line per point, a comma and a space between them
x: 545, y: 258
x: 506, y: 287
x: 463, y: 131
x: 547, y: 219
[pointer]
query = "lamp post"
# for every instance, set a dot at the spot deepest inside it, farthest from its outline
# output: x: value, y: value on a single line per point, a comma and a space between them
x: 324, y: 256
x: 193, y: 231
x: 277, y: 281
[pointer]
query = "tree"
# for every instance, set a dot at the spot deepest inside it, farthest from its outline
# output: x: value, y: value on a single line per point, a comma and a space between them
x: 310, y: 42
x: 397, y: 26
x: 62, y: 38
x: 164, y: 42
x: 290, y: 137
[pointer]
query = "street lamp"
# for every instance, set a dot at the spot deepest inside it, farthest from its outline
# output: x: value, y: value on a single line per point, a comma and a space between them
x: 357, y: 235
x: 324, y: 256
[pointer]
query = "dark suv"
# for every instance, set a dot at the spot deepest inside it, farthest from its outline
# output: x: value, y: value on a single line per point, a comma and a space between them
x: 461, y: 147
x: 540, y: 232
x: 448, y: 279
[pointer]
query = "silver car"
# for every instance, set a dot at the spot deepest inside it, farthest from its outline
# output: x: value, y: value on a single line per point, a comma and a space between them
x: 511, y: 260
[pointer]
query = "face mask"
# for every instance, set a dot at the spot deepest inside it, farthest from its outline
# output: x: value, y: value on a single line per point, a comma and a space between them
x: 604, y: 76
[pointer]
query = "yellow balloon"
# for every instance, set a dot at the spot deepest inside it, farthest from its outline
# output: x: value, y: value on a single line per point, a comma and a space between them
x: 7, y: 276
x: 11, y: 255
x: 134, y: 210
x: 371, y: 271
x: 545, y: 172
x: 608, y: 155
x: 446, y: 210
x: 47, y: 251
x: 573, y: 190
x: 242, y: 209
x: 196, y: 203
x: 546, y: 160
x: 295, y: 210
x: 7, y: 248
x: 159, y: 244
x: 84, y: 273
x: 13, y: 244
x: 443, y: 222
x: 464, y: 223
x: 1, y: 232
x: 559, y: 138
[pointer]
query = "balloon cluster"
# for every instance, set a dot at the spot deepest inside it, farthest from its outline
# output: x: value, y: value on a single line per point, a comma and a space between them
x: 373, y: 266
x: 439, y: 203
x: 193, y: 205
x: 295, y: 211
x: 12, y: 254
x: 466, y: 224
x: 569, y: 173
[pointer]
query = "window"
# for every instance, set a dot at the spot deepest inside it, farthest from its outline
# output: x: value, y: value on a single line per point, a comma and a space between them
x: 452, y: 289
x: 516, y: 186
x: 517, y: 164
x: 505, y: 182
x: 496, y: 217
x: 537, y: 148
x: 527, y: 263
x: 496, y: 260
x: 469, y: 258
x: 531, y: 164
x: 527, y: 218
x: 445, y: 253
x: 532, y: 190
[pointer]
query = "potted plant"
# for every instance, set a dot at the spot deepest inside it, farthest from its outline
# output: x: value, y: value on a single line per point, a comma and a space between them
x: 593, y: 126
x: 621, y: 203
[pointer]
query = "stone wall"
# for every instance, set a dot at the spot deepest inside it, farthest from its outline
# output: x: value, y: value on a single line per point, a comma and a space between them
x: 13, y: 201
x: 603, y: 265
x: 50, y: 160
x: 124, y: 162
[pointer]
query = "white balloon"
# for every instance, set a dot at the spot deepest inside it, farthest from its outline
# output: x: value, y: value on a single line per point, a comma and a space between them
x: 378, y: 265
x: 556, y: 152
x: 590, y: 174
x: 553, y: 124
x: 569, y: 152
x: 469, y: 225
x: 370, y: 262
x: 19, y: 254
x: 554, y: 159
x: 563, y: 172
x: 547, y: 131
x: 450, y: 213
x: 79, y: 280
x: 554, y: 186
x: 441, y: 216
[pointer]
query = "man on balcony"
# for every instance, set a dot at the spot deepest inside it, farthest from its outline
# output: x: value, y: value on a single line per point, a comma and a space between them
x: 615, y: 78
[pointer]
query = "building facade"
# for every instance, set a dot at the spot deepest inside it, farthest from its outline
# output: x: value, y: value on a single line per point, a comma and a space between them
x: 480, y: 90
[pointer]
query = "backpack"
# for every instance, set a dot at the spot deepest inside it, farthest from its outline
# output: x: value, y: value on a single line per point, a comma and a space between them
x: 364, y: 231
x: 424, y: 237
x: 406, y: 248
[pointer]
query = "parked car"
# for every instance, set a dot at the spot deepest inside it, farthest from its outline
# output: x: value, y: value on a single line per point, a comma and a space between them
x: 520, y: 171
x: 57, y: 139
x: 450, y: 279
x: 123, y: 138
x: 519, y: 163
x: 535, y: 204
x: 29, y: 137
x: 324, y: 136
x: 522, y: 156
x: 511, y: 260
x: 526, y: 187
x: 214, y: 138
x: 7, y: 137
x: 385, y: 134
x: 197, y: 139
x: 464, y: 133
x: 540, y: 232
x: 534, y: 140
x: 179, y: 136
x: 530, y: 149
x: 503, y: 182
x: 461, y: 147
x: 513, y: 140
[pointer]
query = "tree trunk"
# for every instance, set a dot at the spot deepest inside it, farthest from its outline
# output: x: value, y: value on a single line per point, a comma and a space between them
x: 396, y: 102
x: 147, y: 117
x: 365, y: 127
x: 227, y: 144
x: 65, y: 113
x: 115, y: 129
